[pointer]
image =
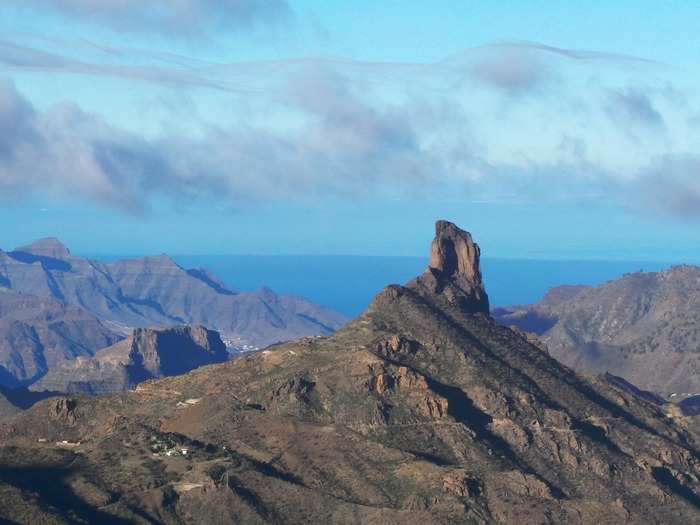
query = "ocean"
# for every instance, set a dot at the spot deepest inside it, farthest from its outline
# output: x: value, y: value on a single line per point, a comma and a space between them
x: 348, y: 283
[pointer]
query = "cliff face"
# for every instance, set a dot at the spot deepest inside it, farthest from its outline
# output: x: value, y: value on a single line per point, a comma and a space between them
x: 421, y: 410
x: 146, y: 354
x: 644, y: 327
x: 176, y: 350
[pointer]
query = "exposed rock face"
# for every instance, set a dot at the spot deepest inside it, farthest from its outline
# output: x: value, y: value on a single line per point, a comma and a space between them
x: 37, y: 334
x: 156, y: 291
x: 418, y: 411
x: 644, y: 327
x: 453, y: 270
x: 63, y: 410
x: 176, y: 350
x: 146, y: 354
x: 454, y: 255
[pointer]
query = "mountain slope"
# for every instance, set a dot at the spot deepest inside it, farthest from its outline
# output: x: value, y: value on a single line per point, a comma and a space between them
x: 155, y: 291
x: 421, y: 410
x: 146, y: 354
x: 38, y: 333
x: 644, y: 327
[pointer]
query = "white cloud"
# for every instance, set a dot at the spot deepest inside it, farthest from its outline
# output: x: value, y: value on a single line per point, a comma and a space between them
x: 554, y: 126
x: 172, y: 17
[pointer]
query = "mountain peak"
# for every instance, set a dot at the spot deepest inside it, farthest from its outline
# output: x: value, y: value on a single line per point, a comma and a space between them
x: 454, y: 253
x: 454, y: 269
x: 46, y: 247
x: 162, y: 259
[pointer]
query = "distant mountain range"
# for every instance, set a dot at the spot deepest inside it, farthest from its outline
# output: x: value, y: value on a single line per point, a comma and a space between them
x: 644, y: 327
x: 421, y: 410
x: 56, y: 307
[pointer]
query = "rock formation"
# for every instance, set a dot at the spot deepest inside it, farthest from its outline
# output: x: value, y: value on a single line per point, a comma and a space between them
x: 453, y: 270
x: 421, y: 410
x: 148, y: 353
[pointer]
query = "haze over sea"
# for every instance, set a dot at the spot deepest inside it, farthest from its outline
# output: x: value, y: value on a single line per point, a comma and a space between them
x: 348, y: 283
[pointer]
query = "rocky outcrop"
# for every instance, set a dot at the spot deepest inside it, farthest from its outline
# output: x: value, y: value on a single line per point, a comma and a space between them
x: 63, y: 410
x: 173, y: 351
x: 146, y: 354
x: 454, y: 270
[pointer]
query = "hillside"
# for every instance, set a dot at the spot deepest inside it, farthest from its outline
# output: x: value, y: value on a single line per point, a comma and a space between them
x: 644, y: 327
x: 421, y: 410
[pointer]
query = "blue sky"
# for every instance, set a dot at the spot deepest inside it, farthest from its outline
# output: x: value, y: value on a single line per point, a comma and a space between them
x: 273, y: 126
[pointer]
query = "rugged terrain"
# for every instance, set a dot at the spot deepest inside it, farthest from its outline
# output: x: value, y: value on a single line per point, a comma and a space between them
x: 37, y: 333
x: 55, y: 307
x: 644, y: 327
x: 421, y: 410
x: 156, y: 291
x: 148, y: 353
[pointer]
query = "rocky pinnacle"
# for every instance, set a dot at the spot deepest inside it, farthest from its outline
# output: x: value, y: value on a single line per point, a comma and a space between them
x: 453, y: 253
x: 453, y: 271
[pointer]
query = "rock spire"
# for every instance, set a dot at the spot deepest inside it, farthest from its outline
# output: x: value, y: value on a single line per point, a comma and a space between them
x: 454, y: 271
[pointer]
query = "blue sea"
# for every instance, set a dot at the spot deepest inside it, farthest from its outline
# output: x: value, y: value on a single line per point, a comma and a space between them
x: 348, y: 283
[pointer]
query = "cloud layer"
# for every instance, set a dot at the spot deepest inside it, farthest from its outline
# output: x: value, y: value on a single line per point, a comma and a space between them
x: 186, y: 17
x: 524, y: 118
x: 21, y: 58
x: 671, y: 186
x: 344, y: 147
x: 634, y: 107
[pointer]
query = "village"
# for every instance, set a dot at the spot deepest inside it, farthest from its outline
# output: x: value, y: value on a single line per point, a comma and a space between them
x: 164, y: 446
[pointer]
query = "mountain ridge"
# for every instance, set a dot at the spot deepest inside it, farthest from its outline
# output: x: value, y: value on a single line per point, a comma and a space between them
x: 421, y: 409
x: 155, y: 290
x: 642, y: 326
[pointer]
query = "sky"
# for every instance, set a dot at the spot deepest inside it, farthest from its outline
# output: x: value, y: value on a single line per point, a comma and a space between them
x: 548, y: 130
